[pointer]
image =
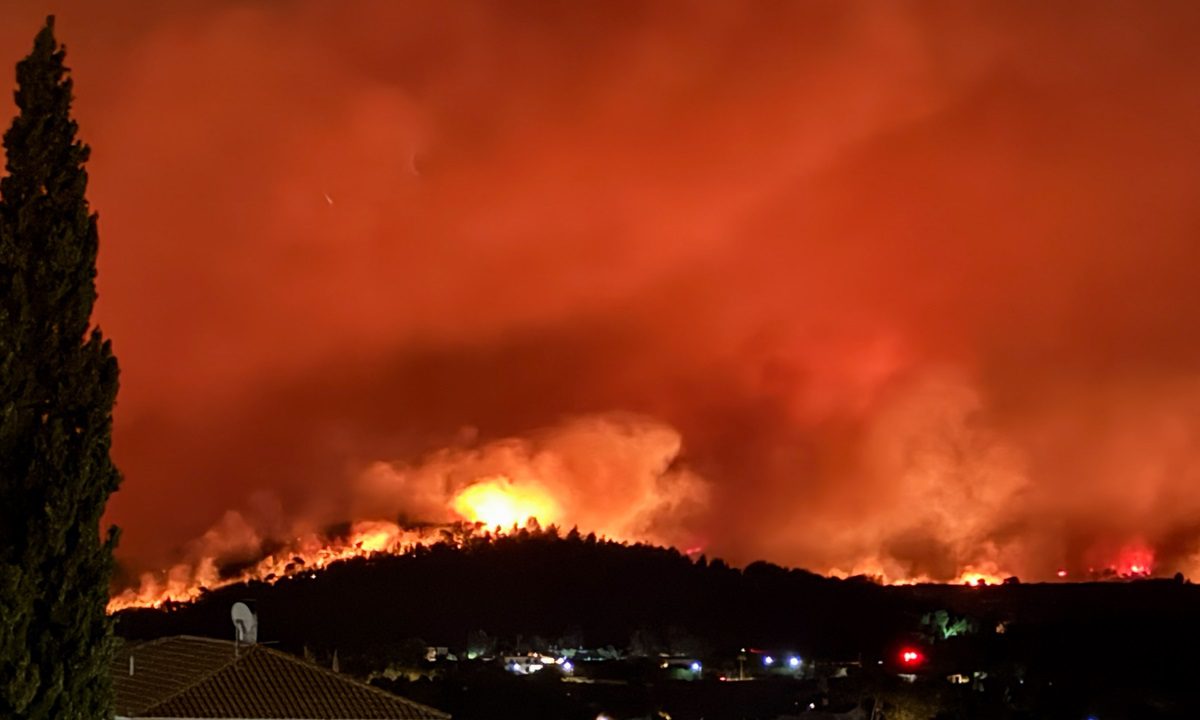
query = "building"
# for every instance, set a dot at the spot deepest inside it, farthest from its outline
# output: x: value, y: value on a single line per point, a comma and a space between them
x: 184, y: 677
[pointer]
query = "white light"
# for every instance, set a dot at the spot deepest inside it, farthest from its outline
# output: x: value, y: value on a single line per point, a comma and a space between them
x: 793, y: 662
x: 567, y: 666
x: 768, y: 660
x: 812, y: 706
x: 696, y: 667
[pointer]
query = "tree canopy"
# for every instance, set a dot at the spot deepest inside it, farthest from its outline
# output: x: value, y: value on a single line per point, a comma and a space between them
x: 58, y: 385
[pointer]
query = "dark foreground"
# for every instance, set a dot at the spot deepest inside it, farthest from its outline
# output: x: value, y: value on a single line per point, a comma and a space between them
x: 447, y: 626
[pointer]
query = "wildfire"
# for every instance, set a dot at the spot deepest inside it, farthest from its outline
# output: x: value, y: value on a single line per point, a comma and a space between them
x: 1135, y: 560
x: 186, y: 582
x: 987, y: 574
x: 495, y: 503
x: 976, y: 578
x: 498, y: 503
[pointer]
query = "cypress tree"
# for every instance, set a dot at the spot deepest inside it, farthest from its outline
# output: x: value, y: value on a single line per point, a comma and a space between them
x: 58, y: 384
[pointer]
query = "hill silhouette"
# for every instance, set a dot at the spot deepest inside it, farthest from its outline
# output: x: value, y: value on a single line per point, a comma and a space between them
x: 536, y: 584
x: 1040, y: 645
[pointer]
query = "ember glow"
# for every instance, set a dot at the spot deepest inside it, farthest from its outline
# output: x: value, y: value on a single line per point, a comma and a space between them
x: 898, y: 289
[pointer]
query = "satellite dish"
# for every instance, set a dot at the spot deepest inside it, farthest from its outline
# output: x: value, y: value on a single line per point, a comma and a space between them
x: 245, y: 623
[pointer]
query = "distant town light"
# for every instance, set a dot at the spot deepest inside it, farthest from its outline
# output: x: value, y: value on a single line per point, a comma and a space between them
x: 568, y: 666
x: 793, y: 662
x: 768, y: 660
x: 696, y: 667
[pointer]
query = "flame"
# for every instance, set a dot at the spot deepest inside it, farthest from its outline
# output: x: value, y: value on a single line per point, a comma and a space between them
x: 491, y: 503
x: 498, y: 503
x: 501, y: 505
x: 975, y: 578
x: 1135, y: 560
x: 494, y: 504
x: 186, y: 582
x: 973, y: 575
x: 611, y: 475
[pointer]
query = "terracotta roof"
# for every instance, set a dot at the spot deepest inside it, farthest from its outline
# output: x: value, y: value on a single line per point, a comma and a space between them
x: 192, y: 677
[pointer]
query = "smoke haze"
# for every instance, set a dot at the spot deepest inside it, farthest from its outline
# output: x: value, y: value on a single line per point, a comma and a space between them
x: 904, y: 288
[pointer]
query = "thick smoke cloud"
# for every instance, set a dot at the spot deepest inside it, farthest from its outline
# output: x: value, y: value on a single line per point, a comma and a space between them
x: 910, y: 285
x: 611, y: 475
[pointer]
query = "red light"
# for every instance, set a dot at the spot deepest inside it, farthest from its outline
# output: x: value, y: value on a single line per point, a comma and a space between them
x: 911, y: 657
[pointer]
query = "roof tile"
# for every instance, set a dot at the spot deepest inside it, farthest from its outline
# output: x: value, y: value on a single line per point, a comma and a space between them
x: 189, y: 677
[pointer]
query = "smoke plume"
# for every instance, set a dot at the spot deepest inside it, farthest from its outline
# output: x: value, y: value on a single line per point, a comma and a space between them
x: 901, y: 288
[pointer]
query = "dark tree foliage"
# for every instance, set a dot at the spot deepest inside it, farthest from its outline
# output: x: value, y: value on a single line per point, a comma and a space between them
x: 536, y: 585
x: 58, y: 383
x: 1107, y: 649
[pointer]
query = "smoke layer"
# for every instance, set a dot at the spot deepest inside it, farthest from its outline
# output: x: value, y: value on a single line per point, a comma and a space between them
x: 892, y: 287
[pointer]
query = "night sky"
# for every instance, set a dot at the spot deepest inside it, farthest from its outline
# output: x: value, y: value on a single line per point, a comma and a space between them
x: 898, y: 287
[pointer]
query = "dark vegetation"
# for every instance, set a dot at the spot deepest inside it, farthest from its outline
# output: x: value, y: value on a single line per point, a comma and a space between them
x: 1118, y: 649
x: 536, y: 584
x: 58, y: 383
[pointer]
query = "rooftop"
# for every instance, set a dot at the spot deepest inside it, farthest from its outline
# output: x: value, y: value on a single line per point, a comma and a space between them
x: 195, y: 677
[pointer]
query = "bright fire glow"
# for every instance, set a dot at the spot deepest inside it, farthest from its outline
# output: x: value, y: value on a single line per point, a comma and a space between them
x: 184, y: 582
x: 498, y: 503
x: 984, y: 574
x: 972, y: 577
x: 1135, y: 560
x: 494, y: 505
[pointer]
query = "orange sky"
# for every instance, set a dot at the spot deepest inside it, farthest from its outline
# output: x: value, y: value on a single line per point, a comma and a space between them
x: 899, y: 283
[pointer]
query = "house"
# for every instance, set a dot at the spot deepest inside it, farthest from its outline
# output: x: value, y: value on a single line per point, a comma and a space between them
x: 184, y: 677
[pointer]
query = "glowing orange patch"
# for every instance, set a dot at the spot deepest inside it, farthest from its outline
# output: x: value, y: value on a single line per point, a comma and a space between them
x: 500, y: 503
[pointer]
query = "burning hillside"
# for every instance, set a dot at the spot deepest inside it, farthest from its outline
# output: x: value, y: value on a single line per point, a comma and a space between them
x: 910, y: 282
x: 614, y: 475
x: 622, y: 477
